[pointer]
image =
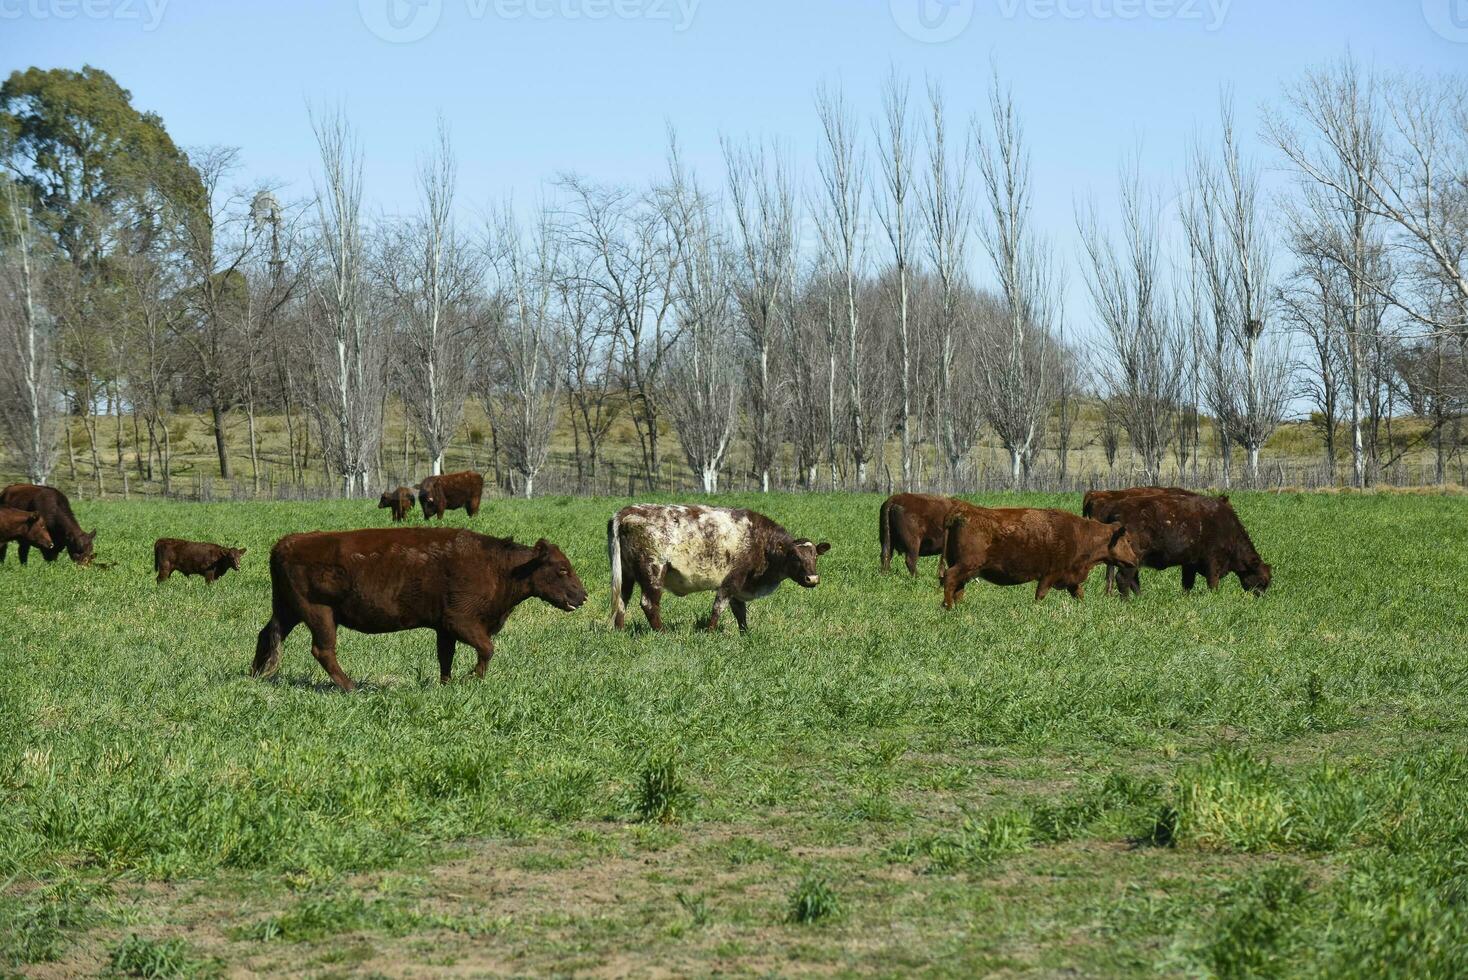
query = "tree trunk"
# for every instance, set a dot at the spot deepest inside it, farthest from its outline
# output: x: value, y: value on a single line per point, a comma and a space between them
x: 216, y: 414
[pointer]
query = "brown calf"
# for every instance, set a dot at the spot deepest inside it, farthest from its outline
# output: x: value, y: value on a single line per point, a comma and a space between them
x: 1095, y: 502
x: 739, y: 555
x: 399, y: 501
x: 1012, y: 546
x: 66, y: 533
x: 1202, y: 535
x: 23, y: 525
x: 460, y: 584
x: 914, y: 525
x: 194, y: 558
x: 438, y: 495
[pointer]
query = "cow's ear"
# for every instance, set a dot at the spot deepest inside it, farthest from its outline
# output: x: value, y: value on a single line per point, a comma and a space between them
x: 823, y: 547
x: 542, y: 548
x: 1117, y: 534
x: 239, y: 552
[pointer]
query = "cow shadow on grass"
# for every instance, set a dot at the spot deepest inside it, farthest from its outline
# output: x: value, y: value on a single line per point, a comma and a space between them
x: 302, y: 683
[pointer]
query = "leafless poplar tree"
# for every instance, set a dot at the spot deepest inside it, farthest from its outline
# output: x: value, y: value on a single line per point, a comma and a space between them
x: 634, y: 268
x: 1249, y: 369
x: 704, y: 374
x: 29, y: 400
x: 895, y: 142
x: 347, y: 339
x: 1013, y: 370
x: 840, y: 212
x: 521, y: 386
x: 762, y: 199
x: 947, y: 216
x: 588, y: 350
x: 430, y: 274
x: 1141, y: 360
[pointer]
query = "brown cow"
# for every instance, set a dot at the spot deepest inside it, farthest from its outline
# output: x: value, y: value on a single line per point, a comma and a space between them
x: 739, y: 555
x: 914, y: 525
x: 194, y: 558
x: 399, y: 501
x: 438, y: 495
x: 460, y: 584
x: 22, y: 525
x: 1015, y: 545
x: 1201, y: 534
x: 1094, y: 502
x: 66, y: 533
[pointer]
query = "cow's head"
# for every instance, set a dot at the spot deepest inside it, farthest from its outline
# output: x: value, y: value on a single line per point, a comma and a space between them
x: 800, y: 562
x: 388, y: 499
x: 551, y: 578
x: 80, y: 547
x: 1121, y: 551
x: 1255, y: 577
x: 37, y: 534
x: 233, y: 556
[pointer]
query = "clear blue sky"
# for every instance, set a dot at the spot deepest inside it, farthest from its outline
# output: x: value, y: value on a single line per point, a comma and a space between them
x: 529, y: 91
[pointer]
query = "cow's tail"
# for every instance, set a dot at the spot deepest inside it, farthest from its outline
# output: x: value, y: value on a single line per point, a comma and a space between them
x: 614, y: 555
x: 884, y: 533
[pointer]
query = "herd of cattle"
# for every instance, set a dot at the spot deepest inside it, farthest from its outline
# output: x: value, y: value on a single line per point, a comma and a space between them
x: 464, y: 585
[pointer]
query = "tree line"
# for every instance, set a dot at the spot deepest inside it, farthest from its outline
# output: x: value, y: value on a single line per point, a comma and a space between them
x: 899, y: 296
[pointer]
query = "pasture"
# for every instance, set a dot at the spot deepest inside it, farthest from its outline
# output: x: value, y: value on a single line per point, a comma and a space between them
x: 1206, y: 784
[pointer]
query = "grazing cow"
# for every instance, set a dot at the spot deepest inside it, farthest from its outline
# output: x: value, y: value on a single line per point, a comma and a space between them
x: 460, y: 584
x: 23, y: 525
x: 438, y: 495
x: 738, y: 555
x: 61, y: 523
x: 1012, y: 546
x: 194, y: 558
x: 1095, y: 502
x: 914, y: 525
x: 1201, y: 534
x: 399, y: 501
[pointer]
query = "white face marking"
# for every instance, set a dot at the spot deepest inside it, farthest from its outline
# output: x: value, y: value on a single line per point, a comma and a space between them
x: 700, y: 549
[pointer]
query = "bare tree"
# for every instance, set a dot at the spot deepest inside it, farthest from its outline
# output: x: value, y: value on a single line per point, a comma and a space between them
x: 588, y: 349
x: 349, y: 383
x: 1141, y: 361
x: 1315, y: 300
x: 1249, y: 368
x: 430, y: 275
x: 633, y: 267
x: 840, y: 210
x: 521, y: 386
x: 947, y: 216
x: 705, y: 373
x: 763, y: 203
x: 29, y: 400
x: 1339, y: 156
x: 895, y: 141
x: 1014, y: 370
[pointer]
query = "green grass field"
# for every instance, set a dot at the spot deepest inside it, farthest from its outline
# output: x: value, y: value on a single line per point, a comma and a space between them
x: 1191, y: 785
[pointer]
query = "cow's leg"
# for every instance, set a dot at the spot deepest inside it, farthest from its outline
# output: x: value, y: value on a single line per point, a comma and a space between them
x: 652, y: 594
x: 25, y: 551
x: 267, y: 647
x: 721, y: 602
x: 210, y: 576
x: 954, y: 580
x: 4, y: 547
x: 741, y: 611
x: 322, y: 624
x: 629, y: 585
x: 164, y: 570
x: 1213, y: 575
x: 1042, y: 588
x: 1129, y: 581
x: 1077, y: 590
x: 446, y: 642
x: 473, y: 508
x: 1190, y: 577
x: 475, y: 635
x: 912, y: 560
x: 1111, y: 578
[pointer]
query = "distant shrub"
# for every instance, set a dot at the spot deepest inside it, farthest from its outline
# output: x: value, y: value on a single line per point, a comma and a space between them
x: 660, y: 795
x: 137, y: 956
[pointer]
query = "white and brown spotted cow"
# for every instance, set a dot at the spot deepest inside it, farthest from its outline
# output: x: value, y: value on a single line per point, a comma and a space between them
x: 739, y: 555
